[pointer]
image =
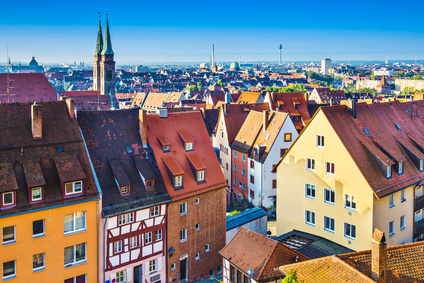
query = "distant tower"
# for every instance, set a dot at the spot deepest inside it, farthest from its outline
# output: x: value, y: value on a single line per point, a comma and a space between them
x: 325, y: 66
x: 214, y: 68
x: 280, y: 48
x: 107, y: 67
x: 97, y: 58
x: 387, y: 60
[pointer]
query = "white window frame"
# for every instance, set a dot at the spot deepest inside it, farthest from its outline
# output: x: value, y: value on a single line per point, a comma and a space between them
x: 243, y: 157
x: 197, y: 256
x: 149, y: 184
x: 148, y: 238
x: 183, y: 235
x: 207, y: 248
x: 178, y: 181
x: 197, y: 201
x: 391, y: 200
x: 331, y: 222
x: 158, y: 235
x: 331, y: 193
x: 389, y: 171
x: 391, y: 228
x: 39, y: 234
x: 117, y: 247
x: 13, y: 198
x: 14, y: 270
x: 74, y: 255
x: 73, y: 188
x: 188, y: 146
x: 345, y: 230
x: 126, y: 218
x: 332, y: 168
x: 320, y: 141
x: 402, y: 222
x: 235, y: 167
x: 14, y: 235
x: 74, y: 230
x: 183, y: 208
x: 133, y: 242
x: 353, y: 202
x: 400, y: 168
x: 154, y: 211
x: 235, y: 154
x: 120, y: 276
x: 243, y: 172
x: 173, y: 267
x: 310, y: 217
x: 312, y: 189
x: 124, y: 190
x: 200, y: 175
x: 310, y: 164
x: 197, y: 227
x: 40, y: 267
x: 235, y: 182
x: 41, y: 194
x: 152, y: 266
x: 402, y: 195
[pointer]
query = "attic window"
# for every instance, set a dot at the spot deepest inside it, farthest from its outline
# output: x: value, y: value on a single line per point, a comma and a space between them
x: 59, y: 148
x: 150, y: 184
x: 165, y: 148
x: 73, y: 188
x: 400, y: 168
x: 407, y: 111
x: 389, y: 172
x: 125, y: 190
x: 273, y: 121
x: 178, y: 181
x: 36, y: 194
x: 200, y: 175
x: 188, y: 146
x: 8, y: 198
x: 128, y: 148
x: 421, y: 164
x: 267, y: 137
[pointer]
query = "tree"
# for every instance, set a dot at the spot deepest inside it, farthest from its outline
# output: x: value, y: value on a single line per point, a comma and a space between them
x: 199, y: 86
x: 291, y: 277
x: 191, y: 88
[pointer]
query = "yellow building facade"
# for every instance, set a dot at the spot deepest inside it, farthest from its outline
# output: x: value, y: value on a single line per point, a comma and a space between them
x: 321, y: 190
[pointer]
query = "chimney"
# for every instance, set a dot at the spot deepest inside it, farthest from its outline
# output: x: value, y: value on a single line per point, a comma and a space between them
x: 36, y: 121
x: 227, y: 97
x: 143, y: 127
x: 379, y: 257
x: 70, y: 104
x: 351, y: 105
x: 265, y: 120
x: 162, y: 112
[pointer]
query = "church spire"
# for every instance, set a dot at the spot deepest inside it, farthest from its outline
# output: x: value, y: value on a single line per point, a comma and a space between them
x: 107, y: 46
x: 99, y: 45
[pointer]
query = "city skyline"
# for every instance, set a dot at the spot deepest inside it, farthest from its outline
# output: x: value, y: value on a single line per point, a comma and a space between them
x: 184, y: 33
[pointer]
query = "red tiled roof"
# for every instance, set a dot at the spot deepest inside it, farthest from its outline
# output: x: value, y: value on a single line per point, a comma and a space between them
x: 185, y: 135
x: 70, y: 93
x: 172, y: 165
x: 249, y: 249
x: 195, y: 161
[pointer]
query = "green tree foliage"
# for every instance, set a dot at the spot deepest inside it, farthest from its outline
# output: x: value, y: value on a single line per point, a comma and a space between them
x: 199, y: 86
x: 290, y: 88
x: 291, y: 277
x: 191, y: 88
x: 234, y: 212
x: 220, y: 83
x: 320, y: 79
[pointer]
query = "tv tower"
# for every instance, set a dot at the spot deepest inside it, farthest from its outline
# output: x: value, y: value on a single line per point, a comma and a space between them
x: 281, y: 49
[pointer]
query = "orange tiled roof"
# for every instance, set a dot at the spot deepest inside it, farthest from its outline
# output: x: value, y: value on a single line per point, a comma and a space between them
x: 285, y: 102
x: 247, y: 97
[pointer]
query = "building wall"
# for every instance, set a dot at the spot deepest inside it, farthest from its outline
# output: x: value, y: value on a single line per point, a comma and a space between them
x: 210, y: 215
x: 367, y: 83
x: 256, y: 171
x: 238, y: 161
x: 52, y: 244
x: 292, y: 176
x: 258, y: 225
x: 401, y: 84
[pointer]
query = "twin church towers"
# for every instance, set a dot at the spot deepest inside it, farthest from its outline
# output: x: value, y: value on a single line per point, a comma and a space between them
x: 104, y: 65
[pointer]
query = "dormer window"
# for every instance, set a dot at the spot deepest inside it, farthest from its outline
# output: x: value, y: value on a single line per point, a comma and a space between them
x: 421, y: 164
x: 188, y: 146
x: 165, y: 148
x: 8, y: 198
x: 200, y: 175
x: 73, y: 188
x: 389, y: 172
x: 36, y: 194
x: 178, y: 181
x: 150, y: 184
x: 400, y: 168
x: 125, y: 190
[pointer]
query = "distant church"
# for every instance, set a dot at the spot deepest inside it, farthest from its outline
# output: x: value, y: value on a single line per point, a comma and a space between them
x: 104, y: 65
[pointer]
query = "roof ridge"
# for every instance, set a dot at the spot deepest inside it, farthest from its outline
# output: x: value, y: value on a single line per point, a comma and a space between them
x: 352, y: 268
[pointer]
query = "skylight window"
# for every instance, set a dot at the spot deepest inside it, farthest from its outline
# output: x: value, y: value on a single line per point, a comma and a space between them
x: 59, y: 148
x: 128, y: 148
x: 267, y: 137
x: 367, y: 132
x: 398, y: 127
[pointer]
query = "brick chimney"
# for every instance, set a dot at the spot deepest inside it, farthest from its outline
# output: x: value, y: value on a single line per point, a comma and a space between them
x: 265, y: 120
x: 143, y: 126
x: 379, y: 256
x: 36, y: 121
x: 70, y: 104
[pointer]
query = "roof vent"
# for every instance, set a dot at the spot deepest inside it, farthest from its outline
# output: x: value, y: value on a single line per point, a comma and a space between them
x: 398, y: 127
x: 367, y: 132
x: 59, y: 148
x: 128, y: 148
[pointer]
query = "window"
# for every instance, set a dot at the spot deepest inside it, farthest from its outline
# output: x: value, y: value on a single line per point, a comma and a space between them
x: 320, y: 141
x: 402, y: 195
x: 38, y: 228
x: 243, y: 158
x: 252, y: 179
x: 391, y: 200
x: 152, y: 266
x: 243, y: 172
x: 350, y: 201
x: 235, y: 181
x: 133, y: 242
x: 117, y: 247
x: 9, y: 269
x: 235, y: 154
x: 149, y: 184
x: 267, y: 137
x: 126, y: 218
x: 328, y: 224
x: 287, y: 137
x: 8, y: 198
x: 8, y: 235
x: 173, y: 267
x: 74, y: 222
x: 197, y: 226
x: 124, y: 190
x: 296, y: 118
x: 197, y: 256
x: 200, y: 175
x: 329, y: 196
x: 147, y: 238
x: 243, y: 186
x: 178, y: 181
x: 391, y: 228
x: 165, y: 148
x: 226, y: 166
x: 74, y: 254
x: 38, y: 262
x: 310, y: 191
x: 329, y: 168
x: 207, y: 248
x: 154, y: 211
x: 310, y: 217
x: 274, y: 184
x: 189, y: 146
x: 310, y: 164
x: 77, y: 279
x: 283, y: 151
x: 73, y: 188
x: 389, y: 171
x: 211, y: 272
x: 252, y: 164
x: 235, y: 167
x: 36, y: 194
x: 158, y: 235
x: 350, y: 231
x: 219, y: 269
x: 252, y: 194
x: 183, y: 208
x: 197, y: 201
x: 120, y: 277
x: 183, y: 235
x: 402, y: 222
x: 400, y: 168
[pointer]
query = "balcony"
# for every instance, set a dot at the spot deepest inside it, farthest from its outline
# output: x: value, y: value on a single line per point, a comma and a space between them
x: 419, y: 203
x: 418, y: 228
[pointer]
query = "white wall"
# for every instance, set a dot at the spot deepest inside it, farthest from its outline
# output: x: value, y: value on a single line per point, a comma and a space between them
x: 258, y: 225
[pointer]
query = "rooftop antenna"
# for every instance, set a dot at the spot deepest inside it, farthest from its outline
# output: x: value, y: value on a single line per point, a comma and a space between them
x: 280, y: 48
x: 8, y: 79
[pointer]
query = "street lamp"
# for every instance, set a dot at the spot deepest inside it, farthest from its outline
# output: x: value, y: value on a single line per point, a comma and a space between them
x: 250, y: 273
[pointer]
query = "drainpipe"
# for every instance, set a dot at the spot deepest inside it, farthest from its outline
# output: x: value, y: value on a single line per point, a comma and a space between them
x: 97, y: 226
x: 104, y: 255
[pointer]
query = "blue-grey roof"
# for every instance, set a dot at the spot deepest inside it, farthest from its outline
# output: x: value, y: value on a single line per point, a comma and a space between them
x: 244, y: 217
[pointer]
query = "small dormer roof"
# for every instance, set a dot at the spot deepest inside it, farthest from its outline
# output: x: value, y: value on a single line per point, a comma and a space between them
x: 69, y: 168
x: 119, y: 173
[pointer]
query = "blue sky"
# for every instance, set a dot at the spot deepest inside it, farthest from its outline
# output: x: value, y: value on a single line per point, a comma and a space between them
x: 183, y: 31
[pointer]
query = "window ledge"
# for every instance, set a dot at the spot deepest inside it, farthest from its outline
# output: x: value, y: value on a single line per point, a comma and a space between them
x: 9, y: 243
x: 392, y: 205
x: 39, y: 269
x: 75, y: 264
x: 38, y: 236
x: 9, y: 277
x: 182, y: 214
x: 332, y: 203
x: 173, y: 269
x: 391, y: 234
x: 310, y: 197
x: 312, y: 170
x: 403, y: 200
x: 75, y: 232
x: 207, y: 251
x: 402, y: 228
x: 184, y: 240
x: 311, y: 224
x: 198, y: 229
x: 331, y: 231
x: 350, y: 237
x: 351, y: 209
